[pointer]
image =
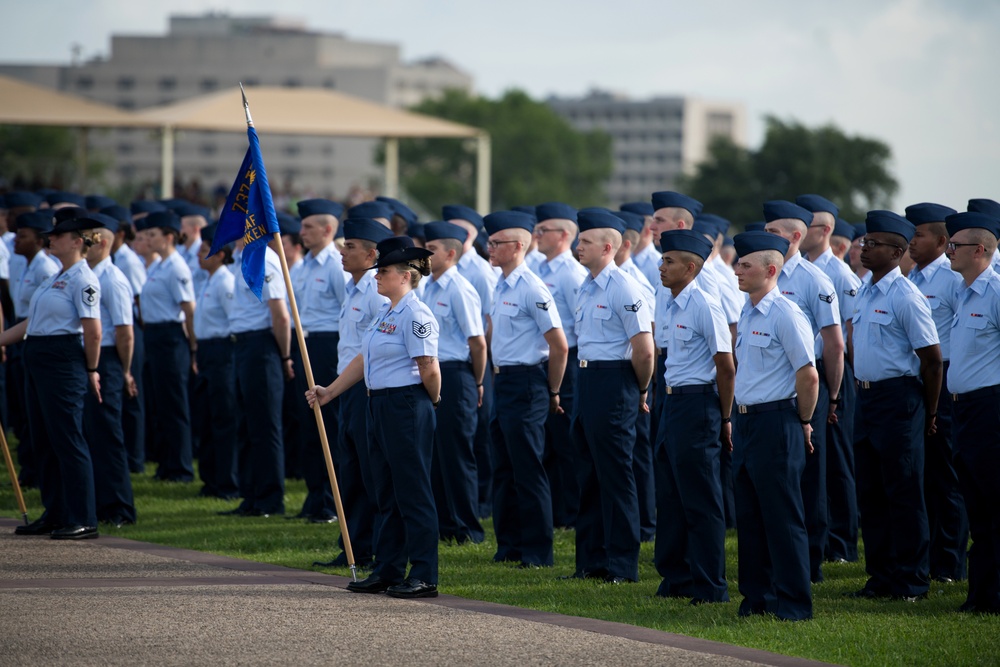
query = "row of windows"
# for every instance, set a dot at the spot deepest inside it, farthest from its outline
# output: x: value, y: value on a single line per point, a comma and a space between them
x: 662, y: 137
x: 652, y: 158
x: 126, y: 83
x: 626, y: 180
x: 128, y: 171
x: 626, y: 115
x: 290, y: 150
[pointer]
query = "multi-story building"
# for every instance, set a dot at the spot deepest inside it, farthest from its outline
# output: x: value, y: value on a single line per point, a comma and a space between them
x: 653, y: 141
x: 202, y: 54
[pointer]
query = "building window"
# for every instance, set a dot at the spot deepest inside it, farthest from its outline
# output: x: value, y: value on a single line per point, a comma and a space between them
x: 126, y: 104
x: 327, y: 150
x: 126, y: 83
x: 720, y: 124
x: 251, y: 81
x: 292, y: 150
x: 84, y: 82
x: 209, y: 84
x: 125, y: 149
x: 168, y: 83
x: 329, y: 83
x: 208, y: 149
x: 292, y: 83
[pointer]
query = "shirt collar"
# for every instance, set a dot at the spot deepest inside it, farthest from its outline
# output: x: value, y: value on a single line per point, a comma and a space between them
x: 887, y: 280
x: 603, y: 278
x: 981, y: 282
x: 764, y: 305
x: 558, y: 260
x: 404, y: 302
x: 511, y: 280
x: 927, y: 273
x: 322, y: 256
x: 102, y: 266
x: 684, y: 297
x: 791, y: 264
x: 445, y: 278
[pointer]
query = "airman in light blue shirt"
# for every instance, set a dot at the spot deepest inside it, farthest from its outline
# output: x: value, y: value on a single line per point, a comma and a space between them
x: 168, y: 284
x: 249, y: 314
x: 60, y: 302
x: 394, y: 338
x: 215, y: 304
x: 116, y: 300
x: 523, y: 311
x: 323, y: 290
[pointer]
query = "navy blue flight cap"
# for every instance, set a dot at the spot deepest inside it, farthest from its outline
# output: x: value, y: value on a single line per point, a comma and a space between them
x: 843, y: 228
x: 22, y: 199
x: 727, y: 241
x: 208, y: 233
x: 173, y: 203
x: 860, y: 229
x: 146, y: 206
x: 527, y: 210
x: 643, y: 208
x: 987, y: 206
x: 552, y: 210
x: 750, y: 242
x: 687, y: 240
x: 435, y: 231
x: 720, y: 224
x: 68, y: 213
x: 756, y: 226
x: 288, y: 223
x: 922, y: 214
x: 309, y: 207
x: 458, y: 212
x: 633, y: 221
x: 398, y: 250
x: 119, y: 213
x: 162, y: 220
x: 97, y: 202
x: 890, y: 223
x: 66, y: 198
x: 599, y: 218
x: 103, y: 221
x: 705, y: 226
x: 187, y: 208
x: 370, y: 209
x: 40, y: 221
x: 969, y: 220
x: 365, y: 229
x: 778, y: 209
x: 81, y: 224
x: 416, y: 230
x: 399, y: 208
x: 817, y: 204
x: 670, y: 199
x: 501, y: 220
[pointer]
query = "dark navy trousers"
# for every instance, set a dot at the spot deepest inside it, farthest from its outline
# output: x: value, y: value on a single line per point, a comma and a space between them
x: 889, y: 459
x: 690, y: 551
x: 322, y: 348
x: 102, y: 427
x: 841, y: 493
x: 134, y: 409
x: 454, y: 475
x: 560, y: 452
x: 773, y: 544
x: 217, y: 455
x: 401, y: 424
x: 483, y: 444
x: 642, y: 470
x: 522, y: 497
x: 56, y: 373
x: 260, y: 386
x: 292, y: 413
x: 169, y: 359
x: 977, y: 459
x: 814, y: 482
x: 607, y: 527
x: 354, y: 472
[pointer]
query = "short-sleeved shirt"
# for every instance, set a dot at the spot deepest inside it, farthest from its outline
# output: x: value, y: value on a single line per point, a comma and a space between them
x: 456, y: 307
x: 132, y: 266
x: 168, y: 285
x: 563, y: 275
x: 198, y: 274
x: 215, y: 303
x: 940, y: 286
x: 41, y: 268
x: 804, y: 283
x: 394, y: 338
x: 478, y: 271
x: 845, y: 281
x: 249, y: 314
x: 975, y: 335
x: 323, y: 281
x: 696, y: 330
x: 891, y: 320
x: 773, y: 341
x: 5, y: 254
x: 996, y: 260
x: 361, y: 303
x: 730, y: 296
x: 523, y: 312
x: 534, y: 259
x: 63, y: 300
x: 116, y: 300
x: 708, y: 283
x: 610, y: 310
x: 628, y: 267
x: 648, y: 260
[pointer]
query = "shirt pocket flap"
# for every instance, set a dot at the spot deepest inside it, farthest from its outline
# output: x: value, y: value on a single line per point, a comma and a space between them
x: 683, y: 333
x: 881, y: 317
x: 602, y: 313
x: 974, y: 321
x: 760, y: 339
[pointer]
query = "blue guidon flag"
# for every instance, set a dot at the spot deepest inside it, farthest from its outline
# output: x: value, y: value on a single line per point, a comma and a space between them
x: 249, y: 214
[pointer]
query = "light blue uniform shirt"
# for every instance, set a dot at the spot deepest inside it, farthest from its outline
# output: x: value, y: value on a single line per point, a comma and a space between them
x: 458, y: 312
x: 249, y: 314
x: 628, y: 267
x: 198, y: 274
x: 5, y: 254
x: 63, y: 300
x: 116, y: 300
x: 996, y: 260
x: 730, y: 297
x: 361, y: 303
x: 534, y: 259
x: 394, y: 338
x: 323, y: 282
x: 563, y: 275
x: 696, y: 331
x: 523, y: 312
x: 812, y: 291
x: 132, y: 266
x: 41, y: 268
x: 215, y: 303
x: 975, y: 335
x: 480, y: 273
x: 295, y: 276
x: 845, y: 281
x: 168, y: 285
x: 648, y: 260
x: 940, y: 285
x: 709, y: 284
x: 773, y: 341
x: 610, y: 310
x: 891, y: 320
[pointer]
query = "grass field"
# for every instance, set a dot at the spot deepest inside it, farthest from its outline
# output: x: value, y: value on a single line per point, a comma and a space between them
x: 844, y: 630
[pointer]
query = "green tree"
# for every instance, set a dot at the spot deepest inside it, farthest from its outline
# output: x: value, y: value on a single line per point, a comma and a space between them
x: 851, y: 171
x: 536, y: 155
x: 36, y: 156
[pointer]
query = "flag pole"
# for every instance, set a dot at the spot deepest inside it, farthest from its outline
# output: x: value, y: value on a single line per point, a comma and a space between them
x: 13, y: 476
x: 317, y: 411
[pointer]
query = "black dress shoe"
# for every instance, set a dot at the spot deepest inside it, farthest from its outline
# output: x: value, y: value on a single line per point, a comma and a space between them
x: 36, y: 527
x: 323, y: 518
x: 373, y: 584
x: 910, y: 598
x: 239, y: 511
x: 339, y: 561
x: 943, y: 580
x: 412, y: 588
x: 75, y: 533
x: 867, y: 594
x: 615, y: 579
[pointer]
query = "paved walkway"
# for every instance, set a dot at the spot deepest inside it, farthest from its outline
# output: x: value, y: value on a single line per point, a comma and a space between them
x: 114, y: 601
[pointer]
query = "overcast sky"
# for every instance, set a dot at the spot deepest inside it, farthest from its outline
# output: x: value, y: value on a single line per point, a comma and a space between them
x: 921, y: 75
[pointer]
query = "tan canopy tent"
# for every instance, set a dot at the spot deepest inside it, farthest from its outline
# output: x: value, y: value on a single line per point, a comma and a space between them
x: 310, y: 111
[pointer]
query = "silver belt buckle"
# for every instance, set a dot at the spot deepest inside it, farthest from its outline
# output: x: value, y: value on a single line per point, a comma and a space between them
x: 954, y: 397
x: 583, y: 363
x: 670, y: 390
x: 496, y: 370
x: 865, y: 384
x: 305, y: 334
x: 742, y: 409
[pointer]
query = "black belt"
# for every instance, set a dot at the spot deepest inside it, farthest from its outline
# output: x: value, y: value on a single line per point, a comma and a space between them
x: 519, y: 368
x: 976, y: 393
x: 243, y: 335
x: 691, y: 389
x: 770, y: 406
x: 454, y: 365
x: 320, y: 335
x: 611, y: 363
x: 54, y: 338
x: 161, y: 325
x: 393, y: 390
x: 890, y: 383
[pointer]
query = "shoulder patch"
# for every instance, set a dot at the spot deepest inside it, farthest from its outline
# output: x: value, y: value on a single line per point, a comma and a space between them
x: 268, y: 277
x: 184, y: 281
x: 421, y: 330
x: 827, y: 297
x: 544, y: 305
x: 851, y: 292
x: 633, y: 307
x: 89, y: 295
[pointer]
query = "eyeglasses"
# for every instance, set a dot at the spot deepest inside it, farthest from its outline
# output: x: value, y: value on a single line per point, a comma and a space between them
x: 546, y: 230
x: 871, y: 244
x: 953, y: 246
x: 496, y: 244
